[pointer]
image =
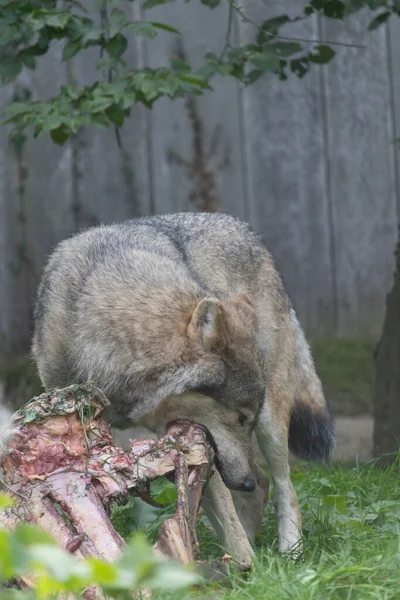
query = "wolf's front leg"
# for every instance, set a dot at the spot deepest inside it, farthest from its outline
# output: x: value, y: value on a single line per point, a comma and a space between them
x: 272, y: 436
x: 218, y: 505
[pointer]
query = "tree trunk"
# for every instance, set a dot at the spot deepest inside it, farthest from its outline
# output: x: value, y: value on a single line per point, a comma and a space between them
x: 387, y: 386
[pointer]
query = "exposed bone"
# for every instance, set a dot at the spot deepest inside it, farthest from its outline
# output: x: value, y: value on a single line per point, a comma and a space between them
x: 62, y: 470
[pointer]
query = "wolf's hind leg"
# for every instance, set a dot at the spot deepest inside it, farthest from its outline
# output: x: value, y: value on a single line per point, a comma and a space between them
x: 218, y: 505
x: 272, y: 436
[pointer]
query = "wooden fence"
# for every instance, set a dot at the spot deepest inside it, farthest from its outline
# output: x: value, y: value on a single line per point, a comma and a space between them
x: 309, y: 163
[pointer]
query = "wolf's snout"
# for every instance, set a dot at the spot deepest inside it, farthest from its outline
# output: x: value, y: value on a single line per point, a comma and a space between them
x: 248, y: 485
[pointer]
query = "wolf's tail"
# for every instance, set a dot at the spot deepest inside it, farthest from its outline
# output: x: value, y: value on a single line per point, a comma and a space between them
x: 311, y: 432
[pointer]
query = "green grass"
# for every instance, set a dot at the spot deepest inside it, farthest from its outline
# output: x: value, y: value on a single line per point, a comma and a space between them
x: 351, y: 522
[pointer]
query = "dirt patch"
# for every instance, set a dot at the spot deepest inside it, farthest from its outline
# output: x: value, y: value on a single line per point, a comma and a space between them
x: 354, y: 438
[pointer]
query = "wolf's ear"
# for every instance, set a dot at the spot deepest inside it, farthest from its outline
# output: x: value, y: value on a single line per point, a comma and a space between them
x: 207, y: 324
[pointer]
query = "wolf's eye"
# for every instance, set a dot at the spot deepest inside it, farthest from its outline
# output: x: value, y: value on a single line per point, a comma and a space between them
x: 242, y: 419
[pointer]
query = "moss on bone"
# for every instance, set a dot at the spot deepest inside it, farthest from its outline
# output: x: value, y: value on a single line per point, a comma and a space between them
x: 85, y: 399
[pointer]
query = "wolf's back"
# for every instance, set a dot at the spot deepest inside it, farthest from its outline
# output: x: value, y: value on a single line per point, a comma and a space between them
x: 211, y: 255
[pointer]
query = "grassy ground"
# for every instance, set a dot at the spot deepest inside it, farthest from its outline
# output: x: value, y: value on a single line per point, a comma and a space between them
x: 351, y: 539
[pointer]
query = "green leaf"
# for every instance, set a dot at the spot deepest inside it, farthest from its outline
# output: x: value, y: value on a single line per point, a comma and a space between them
x: 149, y: 88
x: 92, y: 36
x: 143, y: 29
x: 103, y: 573
x: 266, y: 60
x: 100, y: 121
x: 335, y: 501
x: 10, y: 67
x: 12, y: 555
x: 165, y: 27
x: 323, y: 55
x: 196, y: 81
x: 100, y: 103
x: 253, y: 75
x: 284, y: 49
x: 237, y: 55
x: 71, y: 48
x: 41, y: 47
x: 38, y: 130
x: 179, y: 65
x: 163, y: 491
x: 211, y: 3
x: 270, y: 28
x: 71, y: 92
x: 27, y: 58
x: 56, y: 19
x: 379, y: 20
x: 60, y: 135
x: 116, y: 115
x: 117, y: 21
x: 335, y: 9
x: 59, y: 564
x: 5, y: 501
x: 173, y: 577
x: 29, y: 535
x: 117, y: 45
x: 300, y: 66
x: 153, y: 3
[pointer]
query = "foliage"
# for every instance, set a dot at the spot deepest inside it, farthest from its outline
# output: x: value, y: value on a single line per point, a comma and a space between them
x: 351, y: 518
x: 31, y: 551
x: 137, y: 515
x: 28, y: 28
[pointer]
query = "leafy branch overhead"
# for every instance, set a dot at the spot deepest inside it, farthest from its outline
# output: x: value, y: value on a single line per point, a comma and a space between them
x: 28, y: 28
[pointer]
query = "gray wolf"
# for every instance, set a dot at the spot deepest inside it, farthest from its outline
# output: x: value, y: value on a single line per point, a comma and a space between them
x: 185, y: 315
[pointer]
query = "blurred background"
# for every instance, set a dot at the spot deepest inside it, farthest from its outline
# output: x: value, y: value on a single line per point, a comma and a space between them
x: 310, y: 163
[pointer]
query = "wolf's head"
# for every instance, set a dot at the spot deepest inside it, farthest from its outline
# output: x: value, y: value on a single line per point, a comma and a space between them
x: 229, y: 387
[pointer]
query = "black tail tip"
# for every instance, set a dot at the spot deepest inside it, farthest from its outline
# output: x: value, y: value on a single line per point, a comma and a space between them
x: 311, y: 433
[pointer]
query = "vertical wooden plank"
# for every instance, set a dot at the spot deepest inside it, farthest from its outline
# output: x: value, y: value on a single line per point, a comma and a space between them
x: 14, y: 302
x: 286, y: 174
x: 38, y: 190
x: 45, y: 175
x: 183, y: 130
x: 111, y: 183
x: 5, y: 273
x: 394, y: 75
x: 362, y: 178
x: 136, y: 131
